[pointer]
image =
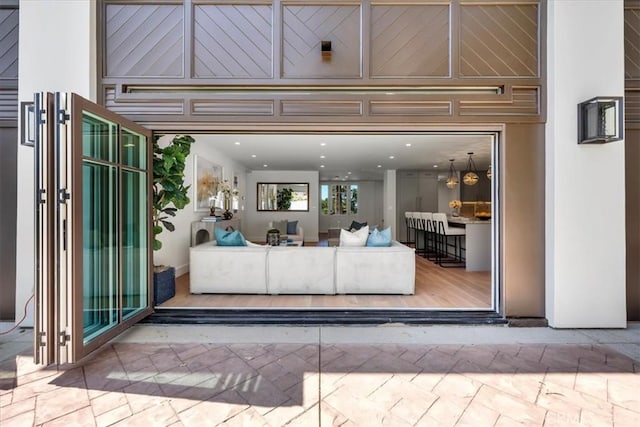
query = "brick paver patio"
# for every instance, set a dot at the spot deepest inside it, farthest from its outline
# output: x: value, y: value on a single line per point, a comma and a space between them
x: 333, y: 384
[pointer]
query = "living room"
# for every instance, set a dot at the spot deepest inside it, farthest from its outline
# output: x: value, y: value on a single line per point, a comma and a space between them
x: 378, y: 169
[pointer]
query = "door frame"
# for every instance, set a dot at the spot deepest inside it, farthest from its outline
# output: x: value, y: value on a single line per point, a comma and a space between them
x: 366, y: 315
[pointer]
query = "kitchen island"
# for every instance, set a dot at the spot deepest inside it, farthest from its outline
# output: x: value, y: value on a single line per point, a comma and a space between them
x: 477, y: 242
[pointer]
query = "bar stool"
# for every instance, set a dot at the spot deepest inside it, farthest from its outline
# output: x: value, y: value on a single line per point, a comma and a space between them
x: 408, y: 220
x: 430, y: 236
x: 444, y: 236
x: 420, y: 231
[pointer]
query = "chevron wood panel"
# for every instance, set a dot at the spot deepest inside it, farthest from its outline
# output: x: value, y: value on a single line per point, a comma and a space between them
x: 632, y: 43
x: 524, y: 101
x: 8, y: 43
x: 303, y: 27
x: 499, y: 40
x: 409, y: 41
x: 144, y: 41
x: 632, y: 106
x: 233, y: 41
x: 232, y: 107
x: 410, y: 108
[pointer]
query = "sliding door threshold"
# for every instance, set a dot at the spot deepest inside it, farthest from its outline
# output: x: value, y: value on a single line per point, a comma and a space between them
x: 321, y: 317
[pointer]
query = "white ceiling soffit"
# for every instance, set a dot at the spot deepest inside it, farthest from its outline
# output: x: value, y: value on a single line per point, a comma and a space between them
x: 353, y: 156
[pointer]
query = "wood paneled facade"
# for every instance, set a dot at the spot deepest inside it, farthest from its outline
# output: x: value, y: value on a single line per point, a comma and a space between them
x: 8, y: 144
x: 394, y: 66
x: 632, y: 153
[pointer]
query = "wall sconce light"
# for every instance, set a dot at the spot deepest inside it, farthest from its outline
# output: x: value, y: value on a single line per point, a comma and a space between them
x: 600, y: 120
x: 325, y: 49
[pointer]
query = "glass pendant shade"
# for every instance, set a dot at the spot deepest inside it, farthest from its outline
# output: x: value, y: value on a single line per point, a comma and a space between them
x: 452, y: 179
x: 471, y: 177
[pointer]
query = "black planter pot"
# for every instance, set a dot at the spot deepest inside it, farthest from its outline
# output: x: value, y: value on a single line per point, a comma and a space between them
x: 164, y: 285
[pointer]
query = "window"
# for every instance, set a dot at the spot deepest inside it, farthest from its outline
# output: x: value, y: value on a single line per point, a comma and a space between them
x: 339, y: 199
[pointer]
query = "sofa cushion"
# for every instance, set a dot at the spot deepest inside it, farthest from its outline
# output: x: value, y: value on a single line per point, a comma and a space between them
x: 355, y: 225
x: 380, y: 238
x: 292, y: 227
x: 229, y: 238
x: 357, y: 238
x: 280, y: 226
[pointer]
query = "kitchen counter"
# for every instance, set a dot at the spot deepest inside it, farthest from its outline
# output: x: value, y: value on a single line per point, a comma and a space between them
x: 477, y: 242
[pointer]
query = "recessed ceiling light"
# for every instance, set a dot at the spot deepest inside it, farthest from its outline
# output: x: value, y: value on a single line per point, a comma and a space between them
x: 323, y: 144
x: 264, y: 166
x: 392, y: 157
x: 322, y: 157
x: 379, y: 166
x: 321, y: 166
x: 407, y: 145
x: 236, y: 143
x: 348, y: 173
x: 254, y: 156
x: 435, y: 166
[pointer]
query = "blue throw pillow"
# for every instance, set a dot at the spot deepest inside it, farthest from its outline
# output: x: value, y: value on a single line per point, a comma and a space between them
x: 229, y: 238
x: 380, y: 238
x: 292, y: 227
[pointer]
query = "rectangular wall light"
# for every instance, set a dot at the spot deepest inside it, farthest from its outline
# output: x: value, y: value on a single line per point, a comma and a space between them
x: 600, y: 120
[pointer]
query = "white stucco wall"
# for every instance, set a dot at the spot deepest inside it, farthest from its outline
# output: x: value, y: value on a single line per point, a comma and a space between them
x: 57, y: 53
x: 255, y: 226
x: 585, y: 187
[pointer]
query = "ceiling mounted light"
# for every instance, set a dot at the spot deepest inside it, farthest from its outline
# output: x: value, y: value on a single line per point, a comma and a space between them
x: 452, y: 179
x: 471, y: 177
x: 489, y: 172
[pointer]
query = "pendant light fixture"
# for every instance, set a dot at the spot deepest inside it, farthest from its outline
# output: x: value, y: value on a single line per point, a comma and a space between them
x: 471, y: 177
x: 452, y: 179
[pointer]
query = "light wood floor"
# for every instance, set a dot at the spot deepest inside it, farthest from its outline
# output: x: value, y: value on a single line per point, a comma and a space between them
x: 436, y: 288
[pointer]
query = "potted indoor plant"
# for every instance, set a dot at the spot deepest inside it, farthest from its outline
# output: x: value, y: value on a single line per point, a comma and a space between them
x: 169, y: 195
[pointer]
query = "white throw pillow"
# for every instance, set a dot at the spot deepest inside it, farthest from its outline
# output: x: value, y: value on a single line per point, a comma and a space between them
x: 357, y: 238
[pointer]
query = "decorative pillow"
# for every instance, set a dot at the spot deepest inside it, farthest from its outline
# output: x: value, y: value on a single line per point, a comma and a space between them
x: 380, y: 238
x: 229, y: 238
x: 355, y: 225
x: 292, y: 227
x: 357, y: 238
x: 280, y: 226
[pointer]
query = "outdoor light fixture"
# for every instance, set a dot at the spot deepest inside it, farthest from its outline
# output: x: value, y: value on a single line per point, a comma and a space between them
x: 600, y: 120
x: 452, y: 179
x: 325, y: 49
x: 471, y: 177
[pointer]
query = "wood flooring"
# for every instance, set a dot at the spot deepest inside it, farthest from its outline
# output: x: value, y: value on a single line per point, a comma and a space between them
x: 436, y: 288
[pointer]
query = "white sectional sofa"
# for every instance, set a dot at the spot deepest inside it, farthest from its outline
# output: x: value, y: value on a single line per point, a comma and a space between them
x: 325, y: 270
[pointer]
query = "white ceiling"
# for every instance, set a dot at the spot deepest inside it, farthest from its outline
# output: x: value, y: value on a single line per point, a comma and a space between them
x: 353, y: 156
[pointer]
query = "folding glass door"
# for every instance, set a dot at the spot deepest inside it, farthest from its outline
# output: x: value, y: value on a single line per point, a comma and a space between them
x: 93, y: 235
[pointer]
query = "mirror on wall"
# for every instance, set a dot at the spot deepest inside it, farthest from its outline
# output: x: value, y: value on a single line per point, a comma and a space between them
x: 283, y: 196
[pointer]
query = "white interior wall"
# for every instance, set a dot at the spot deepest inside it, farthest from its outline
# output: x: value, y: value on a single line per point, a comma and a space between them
x: 369, y: 206
x: 255, y: 226
x: 175, y: 245
x: 389, y: 201
x: 57, y: 53
x: 585, y: 246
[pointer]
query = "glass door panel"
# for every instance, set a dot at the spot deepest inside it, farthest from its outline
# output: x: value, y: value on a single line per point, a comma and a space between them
x: 100, y: 248
x: 99, y: 138
x: 134, y: 151
x: 135, y: 266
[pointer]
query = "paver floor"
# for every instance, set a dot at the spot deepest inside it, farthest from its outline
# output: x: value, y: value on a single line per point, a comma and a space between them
x: 327, y: 383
